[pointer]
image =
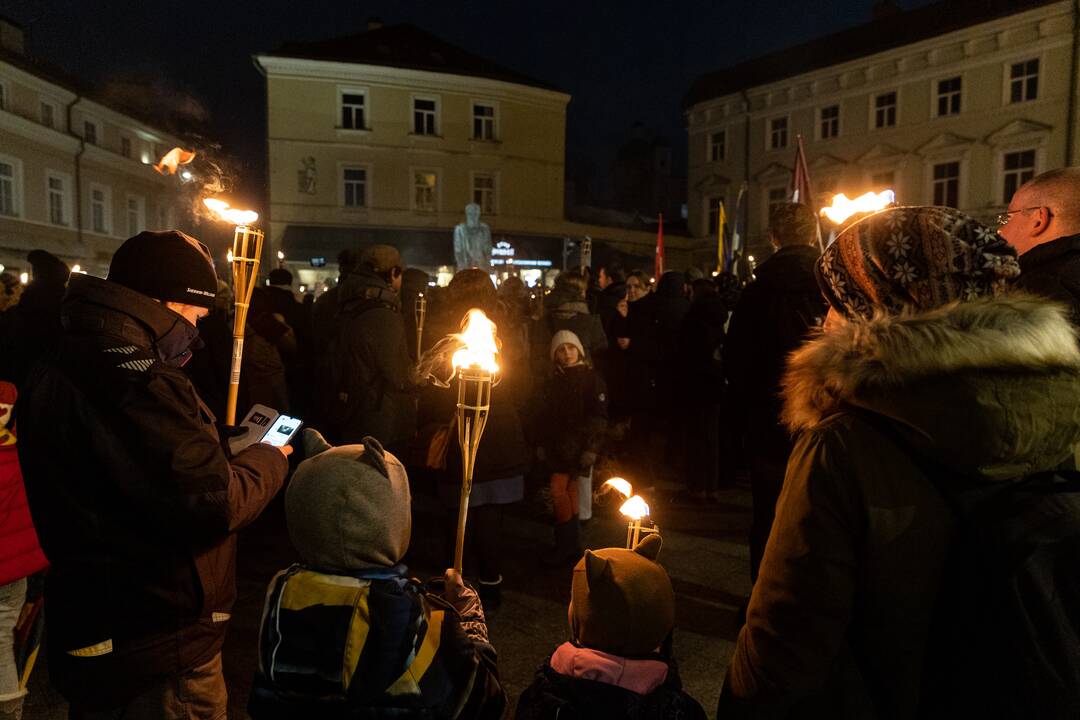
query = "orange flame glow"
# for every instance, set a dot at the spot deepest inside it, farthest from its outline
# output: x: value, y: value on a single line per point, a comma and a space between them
x: 171, y: 161
x: 480, y: 349
x: 622, y: 486
x: 842, y: 208
x: 228, y: 214
x: 635, y: 508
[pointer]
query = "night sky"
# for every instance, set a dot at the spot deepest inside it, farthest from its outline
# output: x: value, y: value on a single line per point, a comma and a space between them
x: 622, y: 61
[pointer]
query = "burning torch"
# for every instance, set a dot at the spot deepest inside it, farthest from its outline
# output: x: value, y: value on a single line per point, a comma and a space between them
x: 421, y: 313
x: 246, y: 251
x: 636, y: 510
x: 475, y: 367
x: 843, y: 209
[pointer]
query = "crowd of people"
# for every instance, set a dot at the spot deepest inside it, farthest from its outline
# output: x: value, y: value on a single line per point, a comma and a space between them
x: 905, y: 402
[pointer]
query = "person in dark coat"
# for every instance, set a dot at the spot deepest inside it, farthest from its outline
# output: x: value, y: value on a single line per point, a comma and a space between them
x: 134, y: 499
x: 367, y: 382
x: 499, y: 473
x: 565, y: 309
x: 32, y: 328
x: 774, y: 315
x: 923, y: 362
x: 701, y: 343
x: 299, y: 356
x: 1042, y: 222
x: 611, y: 281
x: 571, y: 424
x: 618, y: 663
x: 413, y: 651
x: 324, y: 313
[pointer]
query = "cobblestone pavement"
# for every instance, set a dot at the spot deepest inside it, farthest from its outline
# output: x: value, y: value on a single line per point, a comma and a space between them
x: 705, y: 553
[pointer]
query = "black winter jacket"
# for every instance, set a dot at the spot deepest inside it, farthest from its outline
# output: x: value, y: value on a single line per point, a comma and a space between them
x: 133, y: 497
x: 559, y: 697
x: 774, y: 315
x: 572, y: 416
x: 1053, y: 270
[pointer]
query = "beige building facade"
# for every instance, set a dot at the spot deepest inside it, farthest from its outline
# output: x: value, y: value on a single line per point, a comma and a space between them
x: 959, y: 110
x: 76, y: 175
x: 386, y: 136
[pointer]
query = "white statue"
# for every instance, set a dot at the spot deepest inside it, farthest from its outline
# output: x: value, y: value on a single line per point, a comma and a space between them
x: 472, y: 241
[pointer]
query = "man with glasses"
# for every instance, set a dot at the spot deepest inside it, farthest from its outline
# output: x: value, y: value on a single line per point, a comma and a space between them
x: 1042, y: 222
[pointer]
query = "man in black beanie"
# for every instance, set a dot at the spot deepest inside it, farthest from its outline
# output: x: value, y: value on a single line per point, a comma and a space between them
x: 134, y: 500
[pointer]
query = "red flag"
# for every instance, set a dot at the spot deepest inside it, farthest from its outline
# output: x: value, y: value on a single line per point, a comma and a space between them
x: 659, y: 269
x: 800, y: 177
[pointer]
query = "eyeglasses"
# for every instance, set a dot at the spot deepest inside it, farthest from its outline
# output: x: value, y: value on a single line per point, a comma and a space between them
x: 1003, y: 218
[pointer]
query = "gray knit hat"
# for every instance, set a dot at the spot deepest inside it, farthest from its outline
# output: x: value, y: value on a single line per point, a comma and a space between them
x: 566, y: 337
x: 348, y: 507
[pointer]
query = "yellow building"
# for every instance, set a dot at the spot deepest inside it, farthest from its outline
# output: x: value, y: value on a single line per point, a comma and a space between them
x: 75, y: 172
x: 385, y: 136
x: 954, y: 103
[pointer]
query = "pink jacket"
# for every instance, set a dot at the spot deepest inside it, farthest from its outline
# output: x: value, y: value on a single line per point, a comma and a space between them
x: 640, y: 676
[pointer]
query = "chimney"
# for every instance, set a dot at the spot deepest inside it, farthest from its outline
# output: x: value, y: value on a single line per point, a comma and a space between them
x: 12, y: 38
x: 374, y: 23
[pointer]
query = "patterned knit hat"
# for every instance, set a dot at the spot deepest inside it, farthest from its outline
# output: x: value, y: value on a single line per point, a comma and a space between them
x: 914, y: 258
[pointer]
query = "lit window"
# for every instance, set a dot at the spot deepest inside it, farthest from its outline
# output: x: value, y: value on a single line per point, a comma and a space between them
x: 423, y: 117
x: 9, y: 190
x: 352, y: 111
x: 425, y: 185
x: 885, y: 110
x: 483, y: 122
x: 99, y: 209
x: 778, y: 133
x: 947, y: 184
x: 717, y: 146
x: 830, y: 122
x: 1024, y: 81
x: 484, y: 192
x: 57, y: 200
x: 948, y: 97
x: 355, y: 180
x: 1019, y: 168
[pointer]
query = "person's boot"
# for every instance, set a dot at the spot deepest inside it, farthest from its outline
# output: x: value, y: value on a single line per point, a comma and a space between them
x: 490, y: 592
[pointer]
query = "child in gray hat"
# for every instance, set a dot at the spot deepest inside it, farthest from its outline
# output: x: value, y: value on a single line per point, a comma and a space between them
x: 347, y: 633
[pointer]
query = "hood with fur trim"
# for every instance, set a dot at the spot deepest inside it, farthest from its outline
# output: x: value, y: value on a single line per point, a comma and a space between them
x: 990, y: 388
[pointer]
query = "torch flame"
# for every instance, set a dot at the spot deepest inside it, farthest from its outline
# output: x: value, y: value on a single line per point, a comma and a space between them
x: 479, y: 349
x: 228, y: 214
x: 171, y: 161
x: 842, y: 208
x: 624, y: 488
x: 635, y: 508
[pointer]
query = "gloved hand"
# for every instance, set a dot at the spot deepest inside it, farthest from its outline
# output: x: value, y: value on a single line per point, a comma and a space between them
x: 467, y: 603
x: 587, y: 460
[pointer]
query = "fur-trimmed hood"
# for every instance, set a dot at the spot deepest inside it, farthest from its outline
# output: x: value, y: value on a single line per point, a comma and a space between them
x: 990, y: 387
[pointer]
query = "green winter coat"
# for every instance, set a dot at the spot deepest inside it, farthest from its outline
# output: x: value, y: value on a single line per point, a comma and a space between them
x: 838, y: 621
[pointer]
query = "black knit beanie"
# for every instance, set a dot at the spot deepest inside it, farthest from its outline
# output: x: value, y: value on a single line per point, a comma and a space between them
x: 168, y: 266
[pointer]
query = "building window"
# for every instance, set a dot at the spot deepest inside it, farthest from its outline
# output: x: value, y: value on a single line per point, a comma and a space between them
x: 948, y: 97
x: 425, y: 189
x: 484, y: 192
x: 352, y: 111
x: 355, y: 180
x: 1024, y: 81
x: 1019, y: 168
x: 777, y: 196
x: 778, y: 133
x: 883, y: 180
x: 136, y: 215
x: 48, y: 114
x: 947, y: 184
x: 714, y: 215
x: 125, y: 147
x: 9, y: 188
x: 830, y: 122
x: 423, y: 116
x: 58, y: 191
x: 717, y: 146
x: 90, y: 132
x: 99, y: 209
x: 483, y: 122
x: 885, y: 110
